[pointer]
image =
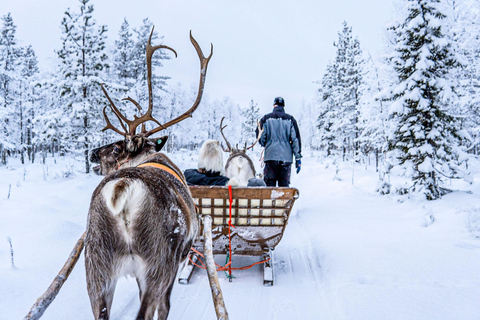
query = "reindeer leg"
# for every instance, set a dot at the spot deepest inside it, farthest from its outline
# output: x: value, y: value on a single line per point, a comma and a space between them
x: 164, y: 303
x: 148, y: 304
x: 100, y: 285
x: 102, y: 303
x: 140, y: 289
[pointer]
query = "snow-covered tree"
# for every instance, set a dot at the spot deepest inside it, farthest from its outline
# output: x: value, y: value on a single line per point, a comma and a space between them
x: 463, y: 28
x: 8, y: 86
x: 373, y: 113
x: 83, y: 62
x: 427, y: 140
x: 27, y: 100
x: 123, y: 56
x: 340, y: 96
x: 250, y: 116
x: 308, y: 127
x: 328, y: 99
x: 139, y: 66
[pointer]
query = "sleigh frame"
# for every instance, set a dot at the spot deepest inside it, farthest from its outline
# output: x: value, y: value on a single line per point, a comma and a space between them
x: 259, y: 216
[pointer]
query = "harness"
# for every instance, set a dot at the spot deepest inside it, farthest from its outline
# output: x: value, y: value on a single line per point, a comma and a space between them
x: 162, y: 167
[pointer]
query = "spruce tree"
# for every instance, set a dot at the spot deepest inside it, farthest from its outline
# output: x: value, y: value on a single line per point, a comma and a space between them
x: 328, y: 100
x: 372, y: 113
x: 139, y: 65
x: 8, y: 86
x: 27, y: 101
x: 83, y: 63
x: 426, y: 140
x: 463, y: 28
x: 250, y: 115
x: 340, y: 95
x: 123, y: 56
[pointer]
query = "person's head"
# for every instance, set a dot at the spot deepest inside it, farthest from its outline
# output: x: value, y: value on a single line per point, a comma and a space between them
x: 210, y: 157
x: 279, y: 102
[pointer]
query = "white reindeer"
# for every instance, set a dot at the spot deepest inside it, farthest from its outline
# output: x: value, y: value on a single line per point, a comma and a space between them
x: 239, y: 167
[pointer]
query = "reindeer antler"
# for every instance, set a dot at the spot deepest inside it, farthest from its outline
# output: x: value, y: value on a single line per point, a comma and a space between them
x: 133, y: 124
x: 260, y: 131
x: 203, y: 73
x: 221, y: 131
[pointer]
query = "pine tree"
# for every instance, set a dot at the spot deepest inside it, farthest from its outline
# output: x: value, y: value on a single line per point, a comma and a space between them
x: 463, y: 28
x: 27, y: 99
x: 139, y: 65
x: 8, y: 86
x: 340, y: 96
x: 251, y: 116
x: 426, y: 141
x: 308, y: 129
x: 47, y: 126
x: 123, y: 56
x: 83, y: 62
x: 328, y: 100
x: 372, y: 112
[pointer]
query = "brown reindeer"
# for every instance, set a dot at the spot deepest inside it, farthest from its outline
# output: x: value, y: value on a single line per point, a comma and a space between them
x: 142, y: 218
x: 239, y: 167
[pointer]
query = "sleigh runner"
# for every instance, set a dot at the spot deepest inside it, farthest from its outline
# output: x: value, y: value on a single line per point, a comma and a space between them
x: 258, y: 216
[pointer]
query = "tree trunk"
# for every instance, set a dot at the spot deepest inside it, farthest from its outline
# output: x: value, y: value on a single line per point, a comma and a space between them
x: 22, y: 137
x: 86, y: 145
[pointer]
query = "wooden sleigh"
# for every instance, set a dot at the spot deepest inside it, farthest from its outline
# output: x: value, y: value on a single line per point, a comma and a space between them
x: 258, y: 216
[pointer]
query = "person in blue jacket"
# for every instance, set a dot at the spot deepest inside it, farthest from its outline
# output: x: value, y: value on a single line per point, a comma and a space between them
x: 281, y: 139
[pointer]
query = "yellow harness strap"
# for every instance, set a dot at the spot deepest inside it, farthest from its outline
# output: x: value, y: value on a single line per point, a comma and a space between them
x: 163, y: 167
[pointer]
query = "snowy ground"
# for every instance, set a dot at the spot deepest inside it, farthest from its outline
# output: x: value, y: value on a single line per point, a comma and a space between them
x: 347, y: 252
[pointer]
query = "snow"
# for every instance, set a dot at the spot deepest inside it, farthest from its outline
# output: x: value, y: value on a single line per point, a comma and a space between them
x: 347, y: 252
x: 276, y: 194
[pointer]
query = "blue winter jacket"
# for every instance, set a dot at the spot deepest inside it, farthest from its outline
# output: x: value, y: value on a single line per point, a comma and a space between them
x: 280, y: 136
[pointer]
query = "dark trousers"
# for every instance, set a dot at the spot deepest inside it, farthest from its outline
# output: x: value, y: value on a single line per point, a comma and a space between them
x: 277, y: 171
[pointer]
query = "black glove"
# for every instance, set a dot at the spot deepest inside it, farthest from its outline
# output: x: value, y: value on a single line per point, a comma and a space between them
x: 298, y: 165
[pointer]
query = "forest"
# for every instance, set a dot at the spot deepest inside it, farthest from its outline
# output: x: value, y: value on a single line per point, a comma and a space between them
x: 413, y: 111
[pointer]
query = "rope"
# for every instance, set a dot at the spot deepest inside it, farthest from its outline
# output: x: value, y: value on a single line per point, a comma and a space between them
x: 119, y: 163
x: 229, y: 257
x: 228, y: 266
x: 219, y: 267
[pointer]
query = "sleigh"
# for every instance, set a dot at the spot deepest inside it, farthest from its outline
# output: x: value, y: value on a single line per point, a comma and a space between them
x: 258, y: 217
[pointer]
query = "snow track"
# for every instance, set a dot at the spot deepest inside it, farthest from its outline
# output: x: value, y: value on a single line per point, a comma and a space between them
x: 347, y: 253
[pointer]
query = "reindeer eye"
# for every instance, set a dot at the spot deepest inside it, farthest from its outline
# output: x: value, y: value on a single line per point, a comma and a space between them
x: 116, y: 150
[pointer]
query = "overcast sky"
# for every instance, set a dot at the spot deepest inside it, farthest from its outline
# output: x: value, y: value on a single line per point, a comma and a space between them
x: 262, y: 48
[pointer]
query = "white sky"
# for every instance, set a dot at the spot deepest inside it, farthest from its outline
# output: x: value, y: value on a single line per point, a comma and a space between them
x: 262, y: 48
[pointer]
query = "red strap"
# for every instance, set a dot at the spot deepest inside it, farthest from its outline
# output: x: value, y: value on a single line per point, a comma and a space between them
x: 229, y: 228
x: 228, y: 266
x: 219, y: 267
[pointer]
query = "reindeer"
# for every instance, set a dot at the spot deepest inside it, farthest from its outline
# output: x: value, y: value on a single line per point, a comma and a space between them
x: 142, y: 218
x: 239, y: 167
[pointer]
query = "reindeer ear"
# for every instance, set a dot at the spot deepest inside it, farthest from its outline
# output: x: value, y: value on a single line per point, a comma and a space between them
x: 159, y: 142
x: 134, y: 143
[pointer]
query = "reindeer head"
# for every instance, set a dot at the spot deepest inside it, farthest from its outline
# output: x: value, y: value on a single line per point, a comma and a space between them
x: 236, y: 150
x: 111, y: 157
x: 135, y: 147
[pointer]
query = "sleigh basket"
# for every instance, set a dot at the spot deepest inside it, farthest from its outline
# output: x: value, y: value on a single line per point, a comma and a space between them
x: 258, y: 218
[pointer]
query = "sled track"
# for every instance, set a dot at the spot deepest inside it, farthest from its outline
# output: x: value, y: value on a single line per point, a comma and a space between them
x: 306, y: 269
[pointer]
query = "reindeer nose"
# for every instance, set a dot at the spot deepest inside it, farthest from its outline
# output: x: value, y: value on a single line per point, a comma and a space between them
x: 94, y: 155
